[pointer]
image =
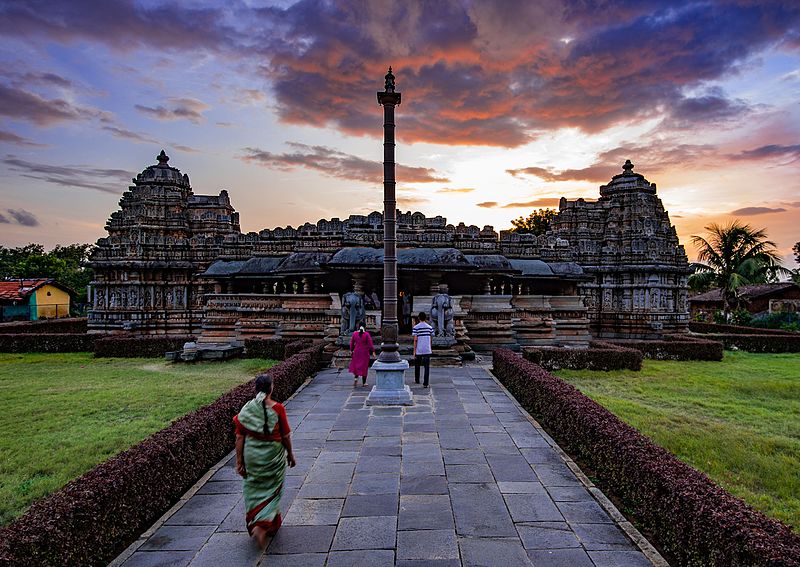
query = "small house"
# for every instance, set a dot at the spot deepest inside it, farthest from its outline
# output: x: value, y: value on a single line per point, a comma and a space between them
x: 759, y: 298
x: 33, y: 299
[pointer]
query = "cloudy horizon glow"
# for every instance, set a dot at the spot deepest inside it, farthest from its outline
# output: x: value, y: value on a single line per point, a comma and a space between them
x: 507, y: 106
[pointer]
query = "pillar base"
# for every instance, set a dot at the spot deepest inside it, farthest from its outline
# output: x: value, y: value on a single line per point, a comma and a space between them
x: 389, y: 389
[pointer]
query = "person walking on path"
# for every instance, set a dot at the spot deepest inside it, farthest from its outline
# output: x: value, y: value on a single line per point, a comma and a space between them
x: 263, y: 448
x: 361, y: 348
x: 422, y: 333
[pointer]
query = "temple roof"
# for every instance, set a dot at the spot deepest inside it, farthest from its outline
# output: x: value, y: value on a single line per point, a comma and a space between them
x: 532, y: 268
x: 408, y: 257
x: 224, y: 268
x: 491, y: 262
x: 162, y: 173
x: 260, y: 265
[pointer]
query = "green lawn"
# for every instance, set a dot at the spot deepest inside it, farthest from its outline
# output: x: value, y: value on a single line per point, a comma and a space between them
x: 737, y: 420
x: 61, y: 414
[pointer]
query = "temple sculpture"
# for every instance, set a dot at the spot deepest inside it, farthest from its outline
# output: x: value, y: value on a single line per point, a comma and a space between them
x: 442, y: 314
x: 177, y: 263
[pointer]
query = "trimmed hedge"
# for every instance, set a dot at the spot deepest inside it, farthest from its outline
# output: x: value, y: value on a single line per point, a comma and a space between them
x: 693, y: 519
x: 72, y: 325
x: 703, y: 328
x: 676, y: 348
x: 92, y: 517
x: 296, y: 346
x: 273, y: 348
x: 144, y: 346
x: 600, y: 355
x: 759, y: 343
x: 46, y: 342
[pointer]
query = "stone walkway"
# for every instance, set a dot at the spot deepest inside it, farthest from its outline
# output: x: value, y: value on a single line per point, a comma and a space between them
x: 464, y: 477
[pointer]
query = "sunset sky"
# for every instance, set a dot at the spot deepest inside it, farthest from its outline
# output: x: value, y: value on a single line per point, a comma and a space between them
x: 507, y: 106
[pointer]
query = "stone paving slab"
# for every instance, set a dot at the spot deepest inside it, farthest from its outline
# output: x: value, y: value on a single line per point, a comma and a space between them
x: 463, y: 477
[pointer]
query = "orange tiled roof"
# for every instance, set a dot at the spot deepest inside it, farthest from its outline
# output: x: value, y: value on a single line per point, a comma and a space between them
x: 19, y: 290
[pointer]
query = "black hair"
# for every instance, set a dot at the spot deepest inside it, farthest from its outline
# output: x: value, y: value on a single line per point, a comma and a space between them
x: 423, y: 316
x: 361, y: 324
x: 264, y: 384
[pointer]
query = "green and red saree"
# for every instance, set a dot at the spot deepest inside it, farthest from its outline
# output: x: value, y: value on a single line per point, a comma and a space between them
x: 265, y: 461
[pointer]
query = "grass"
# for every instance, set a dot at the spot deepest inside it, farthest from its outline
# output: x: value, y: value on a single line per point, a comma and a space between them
x: 737, y: 420
x: 62, y: 414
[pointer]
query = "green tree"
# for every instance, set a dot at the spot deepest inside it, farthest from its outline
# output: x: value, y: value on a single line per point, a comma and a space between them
x: 535, y: 223
x: 796, y: 272
x: 63, y: 263
x: 734, y: 255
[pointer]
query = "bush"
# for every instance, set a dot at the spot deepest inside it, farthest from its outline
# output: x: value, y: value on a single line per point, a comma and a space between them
x: 74, y: 325
x: 274, y: 348
x: 92, y: 517
x: 600, y: 355
x: 691, y: 517
x: 782, y: 321
x: 714, y: 328
x: 741, y: 317
x: 46, y: 342
x: 759, y: 343
x: 297, y: 346
x: 676, y: 348
x: 139, y: 346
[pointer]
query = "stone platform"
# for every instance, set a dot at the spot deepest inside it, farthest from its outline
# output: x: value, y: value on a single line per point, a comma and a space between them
x: 463, y: 477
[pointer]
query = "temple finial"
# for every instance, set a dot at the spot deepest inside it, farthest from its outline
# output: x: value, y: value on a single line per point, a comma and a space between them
x: 627, y: 167
x: 162, y: 158
x: 389, y: 88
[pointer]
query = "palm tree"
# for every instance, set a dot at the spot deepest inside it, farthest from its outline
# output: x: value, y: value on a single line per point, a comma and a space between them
x: 732, y: 256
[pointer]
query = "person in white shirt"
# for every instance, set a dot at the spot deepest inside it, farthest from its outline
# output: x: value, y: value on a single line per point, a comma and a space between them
x: 422, y: 333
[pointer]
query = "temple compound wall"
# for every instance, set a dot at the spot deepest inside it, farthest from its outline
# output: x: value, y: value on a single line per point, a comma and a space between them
x: 177, y: 263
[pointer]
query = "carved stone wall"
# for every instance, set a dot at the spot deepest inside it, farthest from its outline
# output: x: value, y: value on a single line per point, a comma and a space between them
x: 626, y: 242
x: 161, y: 236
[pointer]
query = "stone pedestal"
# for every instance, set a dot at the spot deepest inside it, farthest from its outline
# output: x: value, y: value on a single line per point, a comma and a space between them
x: 390, y: 389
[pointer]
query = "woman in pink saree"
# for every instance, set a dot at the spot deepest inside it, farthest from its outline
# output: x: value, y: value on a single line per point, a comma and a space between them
x: 361, y: 348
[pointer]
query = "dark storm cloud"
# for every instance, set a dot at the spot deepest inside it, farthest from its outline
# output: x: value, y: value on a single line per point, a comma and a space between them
x: 189, y: 109
x: 337, y: 164
x: 112, y: 181
x: 19, y: 104
x: 23, y: 217
x: 486, y: 73
x: 769, y: 151
x: 122, y: 24
x: 750, y: 211
x: 12, y: 138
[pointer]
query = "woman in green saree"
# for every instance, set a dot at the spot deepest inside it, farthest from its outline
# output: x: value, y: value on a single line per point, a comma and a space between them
x: 263, y: 447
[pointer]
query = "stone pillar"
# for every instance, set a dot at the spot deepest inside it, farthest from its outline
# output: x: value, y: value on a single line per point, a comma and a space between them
x: 389, y: 368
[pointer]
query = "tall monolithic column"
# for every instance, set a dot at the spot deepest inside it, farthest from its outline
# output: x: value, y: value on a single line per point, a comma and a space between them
x: 389, y: 327
x: 390, y: 387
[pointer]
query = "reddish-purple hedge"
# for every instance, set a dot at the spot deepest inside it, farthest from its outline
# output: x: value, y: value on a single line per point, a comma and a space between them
x: 676, y: 348
x: 296, y: 346
x: 698, y: 327
x: 600, y: 355
x: 46, y: 342
x: 691, y: 517
x: 139, y: 346
x: 91, y: 518
x: 759, y: 343
x: 71, y: 325
x: 274, y: 348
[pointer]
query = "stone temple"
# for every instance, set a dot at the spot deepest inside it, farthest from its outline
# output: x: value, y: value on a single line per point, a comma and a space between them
x: 177, y: 263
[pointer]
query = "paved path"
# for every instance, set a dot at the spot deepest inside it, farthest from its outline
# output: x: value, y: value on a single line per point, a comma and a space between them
x: 464, y: 477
